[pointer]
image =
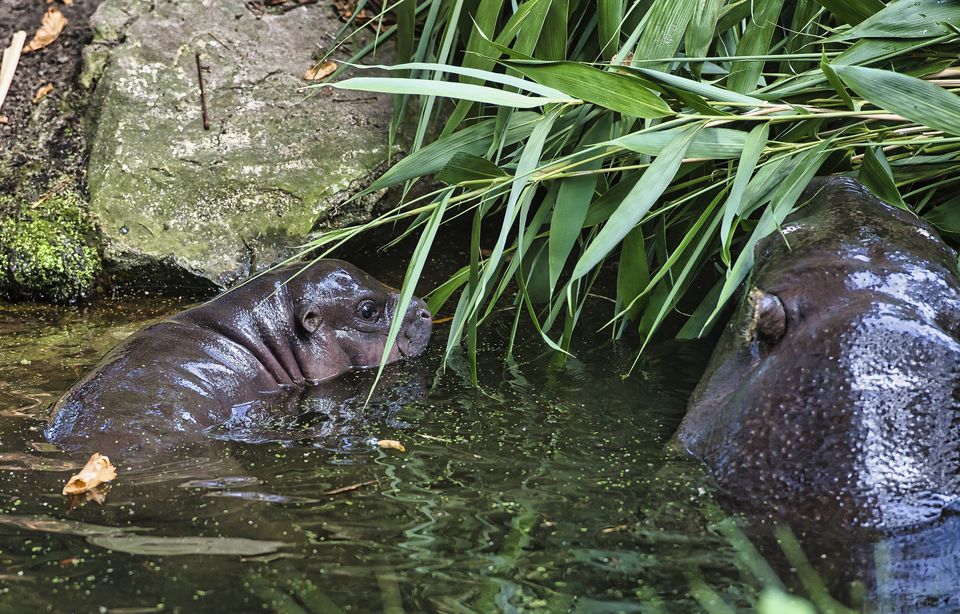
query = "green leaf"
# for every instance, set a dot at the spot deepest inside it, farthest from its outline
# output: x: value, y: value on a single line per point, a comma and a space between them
x: 752, y: 149
x: 439, y: 296
x: 712, y: 143
x: 912, y: 98
x: 875, y: 173
x: 609, y: 16
x: 615, y: 91
x: 573, y: 201
x: 852, y: 11
x: 782, y: 202
x: 744, y: 74
x: 700, y: 88
x: 834, y: 80
x: 700, y: 32
x: 637, y: 203
x: 447, y: 89
x: 414, y: 268
x: 475, y: 140
x: 666, y: 22
x: 946, y: 217
x: 476, y: 75
x: 552, y: 44
x: 633, y: 272
x: 469, y: 167
x: 906, y: 19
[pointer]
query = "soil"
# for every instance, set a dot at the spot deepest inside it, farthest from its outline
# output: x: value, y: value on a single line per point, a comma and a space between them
x: 22, y: 138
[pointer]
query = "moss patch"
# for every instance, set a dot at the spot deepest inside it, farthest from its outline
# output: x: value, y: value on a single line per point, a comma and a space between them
x: 46, y: 251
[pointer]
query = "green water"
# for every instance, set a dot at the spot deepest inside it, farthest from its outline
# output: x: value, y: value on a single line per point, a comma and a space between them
x: 544, y: 490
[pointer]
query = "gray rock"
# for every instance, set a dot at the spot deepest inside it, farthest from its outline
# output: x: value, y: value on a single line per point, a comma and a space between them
x: 220, y: 203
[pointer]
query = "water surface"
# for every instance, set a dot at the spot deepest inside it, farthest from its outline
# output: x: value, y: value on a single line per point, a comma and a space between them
x: 546, y: 489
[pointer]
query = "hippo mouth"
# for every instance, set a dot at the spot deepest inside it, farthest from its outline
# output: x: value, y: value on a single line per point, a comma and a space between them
x: 410, y: 345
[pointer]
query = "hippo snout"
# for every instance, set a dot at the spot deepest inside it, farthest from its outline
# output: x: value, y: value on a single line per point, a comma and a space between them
x: 417, y: 326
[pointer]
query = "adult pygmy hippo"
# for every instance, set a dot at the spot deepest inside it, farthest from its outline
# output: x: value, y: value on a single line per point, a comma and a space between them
x: 833, y: 394
x: 263, y: 341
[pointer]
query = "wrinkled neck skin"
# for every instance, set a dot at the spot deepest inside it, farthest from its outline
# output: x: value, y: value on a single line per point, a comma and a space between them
x: 262, y: 318
x: 847, y: 413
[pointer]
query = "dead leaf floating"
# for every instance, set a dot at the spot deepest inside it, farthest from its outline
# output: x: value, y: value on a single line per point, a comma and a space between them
x: 50, y: 28
x: 391, y: 444
x: 97, y: 471
x: 42, y: 92
x: 320, y: 71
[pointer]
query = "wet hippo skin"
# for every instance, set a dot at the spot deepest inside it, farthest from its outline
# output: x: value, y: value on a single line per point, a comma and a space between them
x: 833, y: 393
x: 262, y: 343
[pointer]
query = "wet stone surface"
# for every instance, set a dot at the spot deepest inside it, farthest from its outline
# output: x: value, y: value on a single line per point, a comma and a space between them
x: 223, y: 202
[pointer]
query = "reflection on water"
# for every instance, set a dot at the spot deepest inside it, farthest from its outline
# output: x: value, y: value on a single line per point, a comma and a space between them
x: 544, y: 490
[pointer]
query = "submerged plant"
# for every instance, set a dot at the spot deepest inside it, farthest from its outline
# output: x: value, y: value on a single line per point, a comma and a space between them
x: 661, y: 138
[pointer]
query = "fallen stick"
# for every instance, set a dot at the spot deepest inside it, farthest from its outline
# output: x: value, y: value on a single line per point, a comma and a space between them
x: 203, y: 94
x: 11, y: 56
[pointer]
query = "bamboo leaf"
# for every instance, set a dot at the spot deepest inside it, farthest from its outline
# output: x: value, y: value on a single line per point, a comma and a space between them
x: 744, y: 74
x: 875, y: 173
x: 615, y: 91
x: 468, y: 167
x: 752, y: 150
x: 573, y: 201
x: 666, y: 22
x: 700, y: 32
x: 852, y: 11
x: 609, y: 15
x: 713, y: 143
x: 552, y: 44
x: 706, y: 90
x: 914, y: 99
x: 475, y: 140
x: 781, y: 205
x: 633, y: 272
x: 643, y: 195
x: 446, y: 89
x: 905, y: 19
x: 417, y: 261
x: 476, y: 75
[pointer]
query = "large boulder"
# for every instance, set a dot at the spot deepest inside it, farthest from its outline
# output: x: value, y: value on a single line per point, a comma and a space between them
x: 220, y: 203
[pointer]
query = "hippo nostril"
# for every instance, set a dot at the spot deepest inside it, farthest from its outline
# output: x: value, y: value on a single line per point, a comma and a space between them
x: 424, y: 314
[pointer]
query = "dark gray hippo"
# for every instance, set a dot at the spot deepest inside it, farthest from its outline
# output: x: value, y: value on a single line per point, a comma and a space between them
x: 241, y: 354
x: 832, y: 396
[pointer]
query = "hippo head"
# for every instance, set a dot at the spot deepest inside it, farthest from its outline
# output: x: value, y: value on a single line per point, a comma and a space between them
x: 342, y: 310
x: 312, y: 323
x: 833, y: 393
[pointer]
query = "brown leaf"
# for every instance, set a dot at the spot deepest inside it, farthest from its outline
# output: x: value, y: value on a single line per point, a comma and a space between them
x: 4, y: 119
x: 68, y: 2
x: 51, y: 27
x: 391, y: 444
x: 42, y: 92
x: 97, y: 471
x: 320, y: 71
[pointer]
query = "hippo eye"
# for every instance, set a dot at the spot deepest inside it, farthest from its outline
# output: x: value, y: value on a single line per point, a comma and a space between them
x: 367, y: 310
x: 771, y: 319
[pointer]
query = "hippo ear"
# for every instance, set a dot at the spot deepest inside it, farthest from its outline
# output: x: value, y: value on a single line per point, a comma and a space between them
x: 771, y: 319
x: 310, y: 320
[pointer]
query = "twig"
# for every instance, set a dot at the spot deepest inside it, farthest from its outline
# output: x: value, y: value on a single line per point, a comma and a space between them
x: 203, y: 94
x: 11, y: 56
x: 340, y: 491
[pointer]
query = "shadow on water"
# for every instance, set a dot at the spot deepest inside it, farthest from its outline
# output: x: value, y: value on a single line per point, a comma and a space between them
x: 543, y: 490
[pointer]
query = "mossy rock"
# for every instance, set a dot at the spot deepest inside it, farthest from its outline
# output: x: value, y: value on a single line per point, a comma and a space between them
x: 46, y: 249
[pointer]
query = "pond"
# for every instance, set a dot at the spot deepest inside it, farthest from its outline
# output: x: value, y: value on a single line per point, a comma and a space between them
x: 545, y: 489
